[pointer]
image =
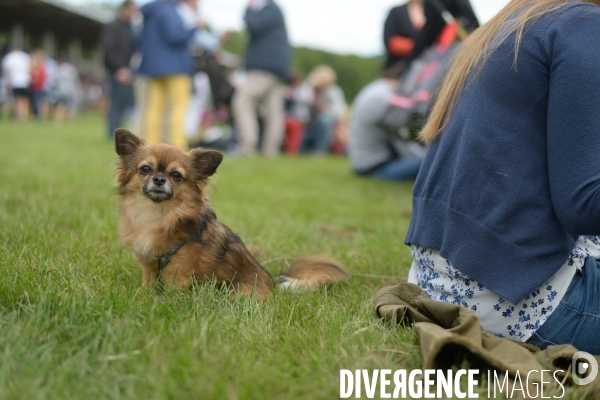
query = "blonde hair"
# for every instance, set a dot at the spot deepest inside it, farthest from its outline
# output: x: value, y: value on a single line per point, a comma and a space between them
x: 473, y: 54
x: 322, y: 76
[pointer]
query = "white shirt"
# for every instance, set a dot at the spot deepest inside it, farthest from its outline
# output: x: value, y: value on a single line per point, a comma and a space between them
x: 443, y: 282
x: 188, y: 16
x: 202, y: 39
x: 16, y: 66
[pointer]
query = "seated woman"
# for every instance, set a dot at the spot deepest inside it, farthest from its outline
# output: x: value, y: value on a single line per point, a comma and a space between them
x: 506, y: 207
x: 326, y: 109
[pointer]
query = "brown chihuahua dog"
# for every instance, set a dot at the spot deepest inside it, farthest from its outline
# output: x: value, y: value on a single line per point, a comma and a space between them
x: 175, y: 235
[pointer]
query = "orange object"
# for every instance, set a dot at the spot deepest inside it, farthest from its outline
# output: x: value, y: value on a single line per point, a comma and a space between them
x: 448, y: 34
x: 400, y: 46
x: 294, y: 133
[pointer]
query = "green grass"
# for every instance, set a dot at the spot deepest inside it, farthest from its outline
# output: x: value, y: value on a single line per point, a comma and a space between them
x: 75, y: 323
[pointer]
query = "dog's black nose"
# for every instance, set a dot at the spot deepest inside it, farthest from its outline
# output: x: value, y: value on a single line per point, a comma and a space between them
x: 159, y: 180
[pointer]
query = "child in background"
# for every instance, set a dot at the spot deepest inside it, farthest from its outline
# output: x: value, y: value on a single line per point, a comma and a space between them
x: 68, y: 90
x: 38, y: 82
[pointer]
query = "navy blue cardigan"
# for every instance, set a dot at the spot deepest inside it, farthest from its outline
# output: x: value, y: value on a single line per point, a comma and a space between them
x: 514, y: 179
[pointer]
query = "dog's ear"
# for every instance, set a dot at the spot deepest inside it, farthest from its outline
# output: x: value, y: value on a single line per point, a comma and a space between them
x: 205, y: 162
x: 126, y: 143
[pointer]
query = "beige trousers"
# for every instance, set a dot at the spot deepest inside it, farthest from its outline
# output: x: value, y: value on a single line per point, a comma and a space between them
x: 140, y: 86
x: 261, y: 91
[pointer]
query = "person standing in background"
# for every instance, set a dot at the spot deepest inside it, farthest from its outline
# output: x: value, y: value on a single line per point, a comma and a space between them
x: 168, y: 64
x: 413, y: 27
x: 3, y: 88
x: 117, y: 42
x: 15, y: 67
x: 268, y: 58
x: 140, y: 82
x: 38, y: 82
x: 49, y: 102
x: 401, y: 29
x: 68, y: 90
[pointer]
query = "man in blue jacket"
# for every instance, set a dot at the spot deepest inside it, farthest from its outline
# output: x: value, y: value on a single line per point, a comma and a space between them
x: 268, y: 58
x: 168, y: 64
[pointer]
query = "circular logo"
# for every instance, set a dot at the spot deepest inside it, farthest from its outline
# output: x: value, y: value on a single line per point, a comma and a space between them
x: 585, y: 368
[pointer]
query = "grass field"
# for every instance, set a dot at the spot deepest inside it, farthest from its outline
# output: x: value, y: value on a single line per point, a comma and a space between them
x: 75, y: 323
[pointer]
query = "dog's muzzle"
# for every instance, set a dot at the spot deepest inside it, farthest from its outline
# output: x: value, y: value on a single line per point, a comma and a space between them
x: 158, y: 188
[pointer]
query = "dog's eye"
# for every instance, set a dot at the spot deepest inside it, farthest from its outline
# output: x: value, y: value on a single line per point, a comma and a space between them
x: 177, y: 177
x: 145, y: 170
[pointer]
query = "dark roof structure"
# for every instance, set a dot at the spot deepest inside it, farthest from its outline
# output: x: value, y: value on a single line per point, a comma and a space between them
x: 65, y: 20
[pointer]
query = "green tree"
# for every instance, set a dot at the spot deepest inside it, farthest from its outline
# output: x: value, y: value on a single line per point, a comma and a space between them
x: 353, y: 71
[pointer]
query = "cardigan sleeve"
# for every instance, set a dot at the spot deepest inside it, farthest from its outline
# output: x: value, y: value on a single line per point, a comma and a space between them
x: 573, y: 120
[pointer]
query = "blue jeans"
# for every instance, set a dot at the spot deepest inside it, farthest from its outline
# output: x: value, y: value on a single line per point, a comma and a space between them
x: 121, y: 100
x: 404, y: 169
x: 317, y: 136
x: 576, y: 320
x: 36, y: 103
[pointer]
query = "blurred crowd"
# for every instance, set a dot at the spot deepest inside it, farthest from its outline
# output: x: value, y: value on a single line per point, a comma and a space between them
x: 37, y: 86
x: 165, y: 63
x: 169, y: 79
x: 420, y: 37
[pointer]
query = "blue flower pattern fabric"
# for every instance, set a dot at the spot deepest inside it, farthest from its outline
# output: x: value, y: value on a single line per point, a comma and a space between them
x: 443, y: 282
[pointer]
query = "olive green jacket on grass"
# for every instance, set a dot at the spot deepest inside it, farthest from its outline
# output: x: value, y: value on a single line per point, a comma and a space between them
x: 451, y: 335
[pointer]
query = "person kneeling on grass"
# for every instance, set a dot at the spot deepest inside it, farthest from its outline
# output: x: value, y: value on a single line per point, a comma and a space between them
x: 507, y: 201
x: 374, y: 150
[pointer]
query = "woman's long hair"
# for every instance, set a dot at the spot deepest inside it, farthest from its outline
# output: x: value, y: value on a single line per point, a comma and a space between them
x: 476, y: 50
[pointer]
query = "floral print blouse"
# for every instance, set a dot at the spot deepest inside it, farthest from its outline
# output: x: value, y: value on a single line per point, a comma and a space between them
x: 443, y: 282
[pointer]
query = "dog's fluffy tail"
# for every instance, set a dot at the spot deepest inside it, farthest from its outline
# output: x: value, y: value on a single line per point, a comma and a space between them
x: 308, y: 273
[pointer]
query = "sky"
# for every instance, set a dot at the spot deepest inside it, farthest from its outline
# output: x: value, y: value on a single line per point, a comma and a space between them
x: 340, y: 26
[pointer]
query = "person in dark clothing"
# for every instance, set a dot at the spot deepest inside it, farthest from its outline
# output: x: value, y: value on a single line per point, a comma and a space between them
x: 117, y: 41
x: 268, y: 59
x: 414, y: 26
x: 401, y: 29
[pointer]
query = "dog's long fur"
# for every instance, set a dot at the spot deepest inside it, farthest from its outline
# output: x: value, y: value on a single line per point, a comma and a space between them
x: 154, y: 219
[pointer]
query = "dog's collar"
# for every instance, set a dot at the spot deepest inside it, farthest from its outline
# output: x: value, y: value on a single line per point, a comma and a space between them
x: 163, y: 261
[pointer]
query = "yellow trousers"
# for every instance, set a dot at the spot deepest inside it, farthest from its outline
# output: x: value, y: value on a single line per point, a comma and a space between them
x: 174, y: 91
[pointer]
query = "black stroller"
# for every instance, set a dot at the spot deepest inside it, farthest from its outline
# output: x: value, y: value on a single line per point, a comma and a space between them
x: 422, y: 71
x: 222, y: 93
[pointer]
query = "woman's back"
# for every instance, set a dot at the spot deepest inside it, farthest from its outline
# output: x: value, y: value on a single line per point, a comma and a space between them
x: 507, y: 169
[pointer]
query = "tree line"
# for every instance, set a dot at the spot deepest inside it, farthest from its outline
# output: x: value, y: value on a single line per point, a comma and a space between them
x: 353, y: 71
